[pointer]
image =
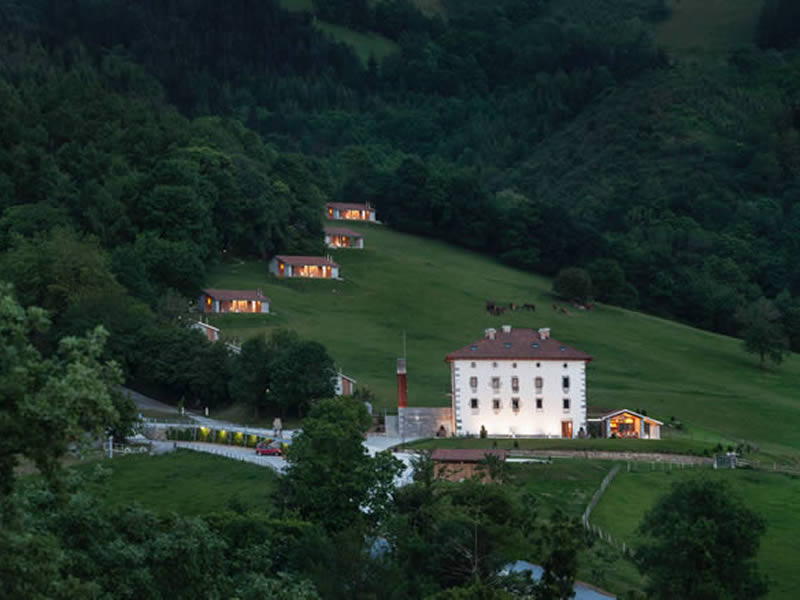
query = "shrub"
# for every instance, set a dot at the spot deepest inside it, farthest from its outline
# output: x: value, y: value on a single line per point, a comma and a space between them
x: 484, y: 433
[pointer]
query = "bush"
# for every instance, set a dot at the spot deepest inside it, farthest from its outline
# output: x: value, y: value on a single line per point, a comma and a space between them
x: 573, y: 284
x: 483, y: 432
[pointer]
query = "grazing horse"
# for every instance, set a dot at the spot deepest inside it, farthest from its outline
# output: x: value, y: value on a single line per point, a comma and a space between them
x: 490, y: 305
x: 555, y: 307
x: 529, y: 307
x: 564, y: 311
x: 512, y: 306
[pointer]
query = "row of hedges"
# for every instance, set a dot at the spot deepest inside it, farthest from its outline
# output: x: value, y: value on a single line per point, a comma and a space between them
x: 216, y: 436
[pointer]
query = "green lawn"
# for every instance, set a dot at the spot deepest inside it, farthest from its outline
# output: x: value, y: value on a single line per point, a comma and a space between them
x: 667, y: 445
x: 191, y: 483
x: 365, y: 44
x: 774, y: 496
x: 436, y: 294
x: 708, y: 28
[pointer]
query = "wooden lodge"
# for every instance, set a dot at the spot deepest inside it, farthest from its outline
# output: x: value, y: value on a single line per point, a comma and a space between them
x: 209, y: 331
x: 314, y: 267
x: 343, y: 384
x: 234, y: 301
x: 339, y: 237
x: 455, y: 465
x: 345, y: 211
x: 625, y: 423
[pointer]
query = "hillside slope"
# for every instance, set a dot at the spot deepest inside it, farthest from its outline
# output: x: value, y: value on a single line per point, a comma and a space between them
x: 436, y: 294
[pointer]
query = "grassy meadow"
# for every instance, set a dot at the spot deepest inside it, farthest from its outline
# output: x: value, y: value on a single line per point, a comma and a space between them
x: 190, y: 483
x: 774, y: 496
x: 435, y: 294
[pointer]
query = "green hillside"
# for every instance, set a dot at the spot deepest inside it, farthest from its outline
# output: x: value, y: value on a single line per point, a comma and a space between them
x: 436, y: 294
x: 774, y: 496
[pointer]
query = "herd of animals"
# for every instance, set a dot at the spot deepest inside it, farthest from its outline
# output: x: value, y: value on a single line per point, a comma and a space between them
x: 495, y: 309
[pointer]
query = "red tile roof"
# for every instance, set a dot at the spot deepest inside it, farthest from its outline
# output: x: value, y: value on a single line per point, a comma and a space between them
x: 235, y: 294
x: 343, y: 231
x: 349, y: 206
x: 465, y: 455
x: 518, y: 344
x: 313, y: 261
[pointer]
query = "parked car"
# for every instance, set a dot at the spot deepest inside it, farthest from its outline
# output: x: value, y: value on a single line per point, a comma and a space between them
x: 266, y: 449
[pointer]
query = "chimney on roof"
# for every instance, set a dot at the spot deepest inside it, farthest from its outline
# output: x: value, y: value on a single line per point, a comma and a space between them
x: 544, y: 333
x: 506, y: 328
x: 402, y: 390
x: 490, y: 333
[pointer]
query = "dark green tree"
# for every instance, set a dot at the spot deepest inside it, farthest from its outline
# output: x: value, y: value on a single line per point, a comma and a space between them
x: 331, y: 479
x: 573, y: 284
x: 762, y: 331
x: 699, y: 542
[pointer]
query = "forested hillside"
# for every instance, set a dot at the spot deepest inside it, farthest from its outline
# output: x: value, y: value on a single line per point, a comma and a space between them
x: 143, y: 141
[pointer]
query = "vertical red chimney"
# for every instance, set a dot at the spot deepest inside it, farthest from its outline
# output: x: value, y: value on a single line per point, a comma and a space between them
x: 402, y: 391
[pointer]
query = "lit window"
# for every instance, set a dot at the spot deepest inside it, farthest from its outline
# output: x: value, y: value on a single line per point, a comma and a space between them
x: 496, y: 404
x: 473, y: 403
x: 515, y: 404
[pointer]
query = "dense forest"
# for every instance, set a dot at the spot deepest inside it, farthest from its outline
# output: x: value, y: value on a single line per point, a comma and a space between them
x: 142, y: 141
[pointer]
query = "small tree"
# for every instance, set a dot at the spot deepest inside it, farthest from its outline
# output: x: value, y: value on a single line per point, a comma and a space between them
x: 699, y: 542
x: 573, y: 284
x: 763, y: 331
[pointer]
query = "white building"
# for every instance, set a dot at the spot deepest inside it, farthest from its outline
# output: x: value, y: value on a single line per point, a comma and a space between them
x: 519, y: 382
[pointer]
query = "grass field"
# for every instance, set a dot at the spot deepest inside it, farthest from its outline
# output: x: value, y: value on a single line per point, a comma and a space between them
x: 365, y: 44
x: 667, y: 445
x: 708, y: 28
x: 774, y: 496
x: 190, y: 483
x: 436, y: 294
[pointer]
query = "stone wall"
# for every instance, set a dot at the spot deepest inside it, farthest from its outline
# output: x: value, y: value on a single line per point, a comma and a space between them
x: 416, y: 422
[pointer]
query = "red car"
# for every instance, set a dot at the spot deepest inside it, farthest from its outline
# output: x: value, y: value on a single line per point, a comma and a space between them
x: 263, y: 449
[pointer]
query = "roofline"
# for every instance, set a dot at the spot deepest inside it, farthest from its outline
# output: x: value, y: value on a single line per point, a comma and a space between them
x: 627, y: 410
x: 449, y: 358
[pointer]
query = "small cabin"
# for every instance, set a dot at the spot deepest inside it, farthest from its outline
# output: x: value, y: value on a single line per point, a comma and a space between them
x: 313, y: 267
x: 211, y: 332
x: 345, y: 211
x: 458, y: 464
x: 339, y: 237
x: 344, y: 385
x: 234, y: 301
x: 625, y: 423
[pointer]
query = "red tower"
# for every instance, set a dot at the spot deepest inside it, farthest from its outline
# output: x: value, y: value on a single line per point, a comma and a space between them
x: 402, y: 390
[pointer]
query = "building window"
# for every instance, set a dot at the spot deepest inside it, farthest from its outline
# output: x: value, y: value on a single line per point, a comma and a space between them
x: 539, y: 402
x: 473, y: 382
x: 565, y: 383
x: 473, y: 403
x: 566, y: 404
x: 494, y: 364
x: 513, y: 365
x: 538, y: 365
x: 496, y: 404
x: 539, y: 384
x: 515, y: 404
x: 472, y: 365
x: 565, y: 365
x: 495, y: 383
x: 515, y: 384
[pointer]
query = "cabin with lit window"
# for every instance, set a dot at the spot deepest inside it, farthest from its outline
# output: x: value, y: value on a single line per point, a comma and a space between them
x: 312, y: 267
x: 345, y: 211
x: 234, y: 301
x: 625, y: 423
x: 339, y: 237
